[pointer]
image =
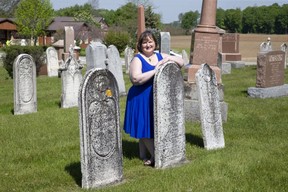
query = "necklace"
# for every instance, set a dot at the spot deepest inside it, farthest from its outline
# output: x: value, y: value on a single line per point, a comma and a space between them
x: 149, y: 58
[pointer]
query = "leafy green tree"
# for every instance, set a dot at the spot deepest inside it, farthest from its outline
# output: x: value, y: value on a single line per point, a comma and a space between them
x: 220, y: 17
x: 281, y: 20
x: 33, y: 17
x: 233, y: 20
x: 189, y: 20
x: 249, y: 20
x: 152, y: 20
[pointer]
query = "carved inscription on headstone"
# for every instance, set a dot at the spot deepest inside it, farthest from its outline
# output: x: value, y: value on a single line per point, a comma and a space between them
x: 52, y: 62
x: 270, y: 69
x: 100, y: 136
x: 211, y: 121
x: 169, y: 125
x: 24, y: 76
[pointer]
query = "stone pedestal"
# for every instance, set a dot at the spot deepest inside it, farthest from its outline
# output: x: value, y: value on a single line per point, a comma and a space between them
x: 191, y: 103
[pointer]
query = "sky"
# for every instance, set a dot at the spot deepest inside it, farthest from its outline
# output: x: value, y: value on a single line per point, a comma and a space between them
x: 170, y: 9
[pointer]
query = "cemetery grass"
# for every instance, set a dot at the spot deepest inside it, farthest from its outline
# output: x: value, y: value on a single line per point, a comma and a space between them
x: 41, y: 151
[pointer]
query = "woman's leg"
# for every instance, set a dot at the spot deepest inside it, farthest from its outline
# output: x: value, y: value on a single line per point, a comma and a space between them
x: 142, y: 150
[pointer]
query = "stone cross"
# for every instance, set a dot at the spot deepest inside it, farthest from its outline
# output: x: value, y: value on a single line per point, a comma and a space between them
x: 211, y: 120
x: 71, y: 78
x: 169, y: 123
x: 100, y: 133
x: 25, y: 92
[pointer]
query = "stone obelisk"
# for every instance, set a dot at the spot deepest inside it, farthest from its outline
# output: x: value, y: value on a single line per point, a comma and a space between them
x: 141, y: 21
x: 204, y: 49
x: 205, y: 41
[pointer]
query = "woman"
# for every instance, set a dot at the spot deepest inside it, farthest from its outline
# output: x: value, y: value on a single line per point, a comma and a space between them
x: 138, y: 121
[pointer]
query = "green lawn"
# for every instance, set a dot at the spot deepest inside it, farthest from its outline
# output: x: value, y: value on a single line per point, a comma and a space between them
x: 41, y: 151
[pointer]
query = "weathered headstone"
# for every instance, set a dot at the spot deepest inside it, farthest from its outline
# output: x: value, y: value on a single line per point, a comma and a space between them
x: 165, y: 40
x: 211, y: 121
x: 96, y: 55
x: 270, y: 69
x: 185, y: 57
x: 169, y: 128
x: 129, y: 54
x: 284, y: 48
x: 71, y: 78
x: 115, y: 66
x: 24, y: 77
x: 2, y: 57
x: 52, y: 62
x: 100, y: 135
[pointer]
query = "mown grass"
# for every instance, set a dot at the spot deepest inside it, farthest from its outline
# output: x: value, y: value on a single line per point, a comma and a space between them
x: 41, y: 151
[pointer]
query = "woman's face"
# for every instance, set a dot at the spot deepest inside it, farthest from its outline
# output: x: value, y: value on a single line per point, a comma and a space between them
x: 148, y: 45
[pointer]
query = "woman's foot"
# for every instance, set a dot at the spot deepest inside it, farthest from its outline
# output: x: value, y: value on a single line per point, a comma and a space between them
x: 149, y: 162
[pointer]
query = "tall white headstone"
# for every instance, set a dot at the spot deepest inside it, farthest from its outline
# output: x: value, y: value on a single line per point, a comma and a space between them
x: 24, y: 77
x: 96, y: 55
x: 169, y: 128
x: 211, y: 120
x: 165, y: 40
x: 115, y: 66
x: 52, y: 62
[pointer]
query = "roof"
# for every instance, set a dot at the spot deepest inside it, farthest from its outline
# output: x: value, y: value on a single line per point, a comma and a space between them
x: 61, y: 22
x: 12, y: 20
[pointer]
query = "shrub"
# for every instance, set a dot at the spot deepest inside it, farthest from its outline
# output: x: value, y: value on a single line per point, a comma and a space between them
x: 37, y: 53
x: 118, y: 39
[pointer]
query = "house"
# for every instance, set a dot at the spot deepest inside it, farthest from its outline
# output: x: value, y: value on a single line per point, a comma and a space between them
x: 82, y: 31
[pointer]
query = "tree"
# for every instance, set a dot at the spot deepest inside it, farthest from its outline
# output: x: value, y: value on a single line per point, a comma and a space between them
x: 33, y: 17
x: 7, y: 7
x: 281, y: 21
x: 220, y: 17
x: 152, y: 20
x: 233, y: 20
x: 94, y: 3
x: 189, y: 20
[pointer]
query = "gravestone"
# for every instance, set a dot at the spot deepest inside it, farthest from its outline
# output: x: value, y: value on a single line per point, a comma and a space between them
x: 211, y: 121
x: 52, y: 62
x: 270, y: 76
x: 265, y: 47
x: 284, y: 48
x: 230, y: 50
x: 270, y: 69
x: 96, y: 55
x: 204, y: 49
x: 169, y: 128
x: 71, y: 78
x: 115, y: 66
x: 24, y: 77
x: 129, y: 54
x: 2, y: 57
x: 185, y: 57
x: 165, y: 40
x: 100, y: 135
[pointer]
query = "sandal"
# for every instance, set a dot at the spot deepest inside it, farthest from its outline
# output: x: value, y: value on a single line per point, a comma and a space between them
x: 148, y: 163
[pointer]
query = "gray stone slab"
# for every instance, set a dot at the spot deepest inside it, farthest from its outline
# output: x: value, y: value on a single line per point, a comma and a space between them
x: 129, y: 54
x: 210, y: 113
x: 115, y: 66
x: 100, y: 135
x: 169, y: 119
x: 226, y: 68
x: 269, y: 92
x: 25, y: 92
x: 96, y: 55
x: 165, y: 40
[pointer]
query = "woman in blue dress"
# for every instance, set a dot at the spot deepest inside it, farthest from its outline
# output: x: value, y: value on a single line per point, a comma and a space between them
x: 138, y: 120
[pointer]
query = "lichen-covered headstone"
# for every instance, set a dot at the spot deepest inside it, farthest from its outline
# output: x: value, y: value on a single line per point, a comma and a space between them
x: 211, y: 120
x: 52, y: 62
x: 24, y: 76
x: 169, y: 128
x: 100, y: 135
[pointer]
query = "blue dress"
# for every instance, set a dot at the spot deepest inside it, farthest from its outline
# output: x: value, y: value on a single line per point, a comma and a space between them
x: 139, y: 120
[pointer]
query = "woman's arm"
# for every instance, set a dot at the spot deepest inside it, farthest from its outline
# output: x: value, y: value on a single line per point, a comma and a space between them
x: 175, y: 59
x: 136, y: 75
